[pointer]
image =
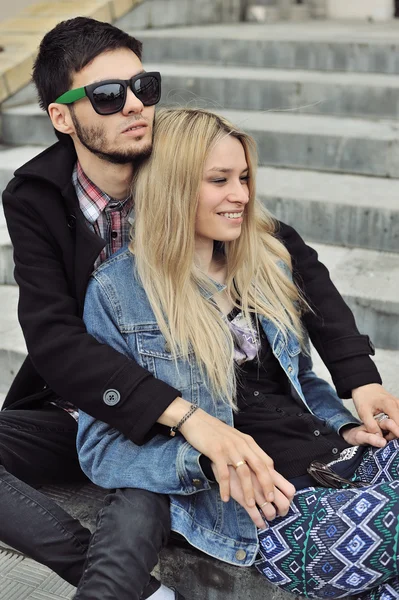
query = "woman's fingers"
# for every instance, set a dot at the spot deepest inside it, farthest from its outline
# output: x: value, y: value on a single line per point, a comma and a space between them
x: 221, y: 471
x: 244, y: 475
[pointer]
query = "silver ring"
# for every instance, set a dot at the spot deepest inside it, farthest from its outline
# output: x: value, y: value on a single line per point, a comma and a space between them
x: 381, y: 417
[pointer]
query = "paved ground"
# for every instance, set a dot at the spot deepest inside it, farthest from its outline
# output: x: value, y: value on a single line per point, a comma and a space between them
x: 24, y: 579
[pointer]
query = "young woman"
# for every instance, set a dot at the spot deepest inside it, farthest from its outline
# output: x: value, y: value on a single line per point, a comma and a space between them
x: 204, y: 299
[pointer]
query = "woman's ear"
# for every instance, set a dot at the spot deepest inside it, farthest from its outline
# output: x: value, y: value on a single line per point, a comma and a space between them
x: 60, y: 116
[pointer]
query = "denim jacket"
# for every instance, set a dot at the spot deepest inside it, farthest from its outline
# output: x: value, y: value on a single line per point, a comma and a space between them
x: 118, y: 313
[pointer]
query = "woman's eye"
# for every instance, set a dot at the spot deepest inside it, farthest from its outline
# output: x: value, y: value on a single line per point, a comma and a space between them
x: 245, y: 178
x: 218, y: 181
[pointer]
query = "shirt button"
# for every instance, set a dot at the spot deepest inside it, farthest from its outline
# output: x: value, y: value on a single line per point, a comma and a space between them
x: 241, y: 555
x: 316, y: 432
x: 197, y: 483
x: 299, y: 414
x: 114, y: 235
x: 256, y: 393
x: 111, y: 397
x: 335, y: 450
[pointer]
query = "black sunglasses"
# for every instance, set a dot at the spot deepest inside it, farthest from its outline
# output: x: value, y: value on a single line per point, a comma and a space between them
x: 109, y: 97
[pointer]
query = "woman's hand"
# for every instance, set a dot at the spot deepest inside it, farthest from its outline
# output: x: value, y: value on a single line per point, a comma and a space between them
x: 283, y: 493
x: 225, y: 447
x: 360, y: 436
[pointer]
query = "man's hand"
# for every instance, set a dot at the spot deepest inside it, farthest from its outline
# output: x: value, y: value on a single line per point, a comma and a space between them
x: 359, y: 436
x: 283, y: 494
x: 372, y: 399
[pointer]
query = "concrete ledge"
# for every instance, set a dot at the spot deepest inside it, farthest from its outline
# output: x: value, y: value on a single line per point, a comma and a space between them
x: 321, y: 46
x: 20, y: 36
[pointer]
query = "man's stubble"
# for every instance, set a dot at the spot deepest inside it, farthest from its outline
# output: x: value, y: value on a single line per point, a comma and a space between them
x: 94, y: 139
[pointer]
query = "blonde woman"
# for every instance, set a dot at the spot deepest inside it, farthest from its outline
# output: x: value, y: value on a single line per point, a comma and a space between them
x: 204, y: 299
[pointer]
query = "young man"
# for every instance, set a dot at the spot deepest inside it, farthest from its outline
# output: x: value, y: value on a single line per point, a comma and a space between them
x: 67, y: 211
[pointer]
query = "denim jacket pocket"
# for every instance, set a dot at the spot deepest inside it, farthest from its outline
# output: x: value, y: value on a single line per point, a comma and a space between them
x: 156, y: 356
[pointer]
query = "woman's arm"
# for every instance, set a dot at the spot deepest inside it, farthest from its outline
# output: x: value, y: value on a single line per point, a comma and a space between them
x: 321, y: 398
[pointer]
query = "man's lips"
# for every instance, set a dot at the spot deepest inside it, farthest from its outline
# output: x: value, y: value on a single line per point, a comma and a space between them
x: 135, y: 125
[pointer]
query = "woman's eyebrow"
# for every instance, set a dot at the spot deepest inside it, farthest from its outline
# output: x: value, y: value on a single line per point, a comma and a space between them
x: 226, y: 169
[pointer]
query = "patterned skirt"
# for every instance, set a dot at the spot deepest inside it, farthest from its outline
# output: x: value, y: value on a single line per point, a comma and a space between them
x: 337, y: 543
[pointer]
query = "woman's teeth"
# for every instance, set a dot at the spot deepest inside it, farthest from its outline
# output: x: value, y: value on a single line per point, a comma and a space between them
x: 231, y: 215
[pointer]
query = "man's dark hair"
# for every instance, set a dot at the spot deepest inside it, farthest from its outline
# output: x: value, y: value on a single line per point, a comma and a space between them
x: 68, y: 48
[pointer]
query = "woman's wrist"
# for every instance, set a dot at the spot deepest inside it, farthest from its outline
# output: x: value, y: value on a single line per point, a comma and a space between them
x: 175, y: 412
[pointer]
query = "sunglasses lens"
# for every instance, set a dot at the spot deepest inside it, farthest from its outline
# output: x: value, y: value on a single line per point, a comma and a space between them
x: 109, y: 98
x: 147, y: 89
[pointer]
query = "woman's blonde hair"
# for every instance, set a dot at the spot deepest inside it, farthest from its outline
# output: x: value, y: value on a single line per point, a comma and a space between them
x: 166, y: 193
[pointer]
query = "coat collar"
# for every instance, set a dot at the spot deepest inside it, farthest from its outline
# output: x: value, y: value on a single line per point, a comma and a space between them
x: 53, y: 166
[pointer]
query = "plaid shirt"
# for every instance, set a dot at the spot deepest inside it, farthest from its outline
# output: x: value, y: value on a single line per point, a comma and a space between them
x: 108, y: 218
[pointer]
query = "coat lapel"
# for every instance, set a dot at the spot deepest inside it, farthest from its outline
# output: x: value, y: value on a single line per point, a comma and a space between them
x: 88, y: 245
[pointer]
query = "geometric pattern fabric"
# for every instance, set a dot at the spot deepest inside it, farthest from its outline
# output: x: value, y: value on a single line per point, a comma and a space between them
x: 336, y: 543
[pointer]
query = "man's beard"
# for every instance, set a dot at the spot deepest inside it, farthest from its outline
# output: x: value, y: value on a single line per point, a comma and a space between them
x: 93, y: 138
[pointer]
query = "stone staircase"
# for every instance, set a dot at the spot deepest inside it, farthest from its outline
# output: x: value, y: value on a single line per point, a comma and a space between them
x: 322, y: 101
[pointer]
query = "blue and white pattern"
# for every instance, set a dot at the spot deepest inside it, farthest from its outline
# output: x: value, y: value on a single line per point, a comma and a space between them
x: 337, y: 543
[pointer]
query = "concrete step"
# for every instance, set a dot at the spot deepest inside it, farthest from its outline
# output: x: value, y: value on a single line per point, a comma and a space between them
x: 6, y: 253
x: 315, y: 45
x: 12, y: 343
x: 285, y: 139
x: 368, y: 281
x: 346, y: 210
x: 343, y: 210
x: 387, y: 362
x: 314, y: 92
x: 324, y: 143
x: 26, y: 125
x: 11, y: 158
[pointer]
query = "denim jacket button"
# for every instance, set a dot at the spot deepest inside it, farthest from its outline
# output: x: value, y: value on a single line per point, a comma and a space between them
x: 111, y: 397
x: 241, y: 555
x: 197, y: 483
x: 290, y: 369
x: 167, y: 347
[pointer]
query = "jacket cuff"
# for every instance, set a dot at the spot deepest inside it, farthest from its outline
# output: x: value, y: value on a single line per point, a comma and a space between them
x: 353, y: 373
x: 159, y: 395
x: 189, y: 470
x: 347, y: 347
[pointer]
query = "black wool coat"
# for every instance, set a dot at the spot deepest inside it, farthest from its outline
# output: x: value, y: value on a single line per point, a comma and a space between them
x: 54, y: 253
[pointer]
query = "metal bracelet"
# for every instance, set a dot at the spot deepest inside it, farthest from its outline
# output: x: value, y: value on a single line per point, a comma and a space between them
x: 175, y: 429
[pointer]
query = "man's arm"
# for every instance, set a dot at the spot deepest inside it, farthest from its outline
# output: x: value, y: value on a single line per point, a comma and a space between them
x: 331, y: 325
x: 73, y: 363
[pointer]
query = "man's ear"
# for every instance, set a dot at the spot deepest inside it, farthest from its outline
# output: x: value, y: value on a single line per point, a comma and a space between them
x: 61, y: 118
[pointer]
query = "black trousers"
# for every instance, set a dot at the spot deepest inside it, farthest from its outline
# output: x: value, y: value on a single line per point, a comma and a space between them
x: 38, y: 447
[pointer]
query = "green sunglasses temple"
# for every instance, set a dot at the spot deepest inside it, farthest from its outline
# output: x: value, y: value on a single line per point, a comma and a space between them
x: 71, y: 96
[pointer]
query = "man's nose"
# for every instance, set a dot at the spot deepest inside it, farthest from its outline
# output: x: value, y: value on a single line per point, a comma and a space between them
x: 132, y: 104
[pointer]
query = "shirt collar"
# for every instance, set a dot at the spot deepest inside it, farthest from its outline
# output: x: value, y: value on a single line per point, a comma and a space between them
x: 89, y: 192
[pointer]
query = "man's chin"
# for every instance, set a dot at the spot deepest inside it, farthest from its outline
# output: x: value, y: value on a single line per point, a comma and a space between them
x: 127, y: 155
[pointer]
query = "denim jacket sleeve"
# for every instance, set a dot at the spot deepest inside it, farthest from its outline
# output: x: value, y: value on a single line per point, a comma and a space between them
x: 164, y: 465
x: 321, y: 398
